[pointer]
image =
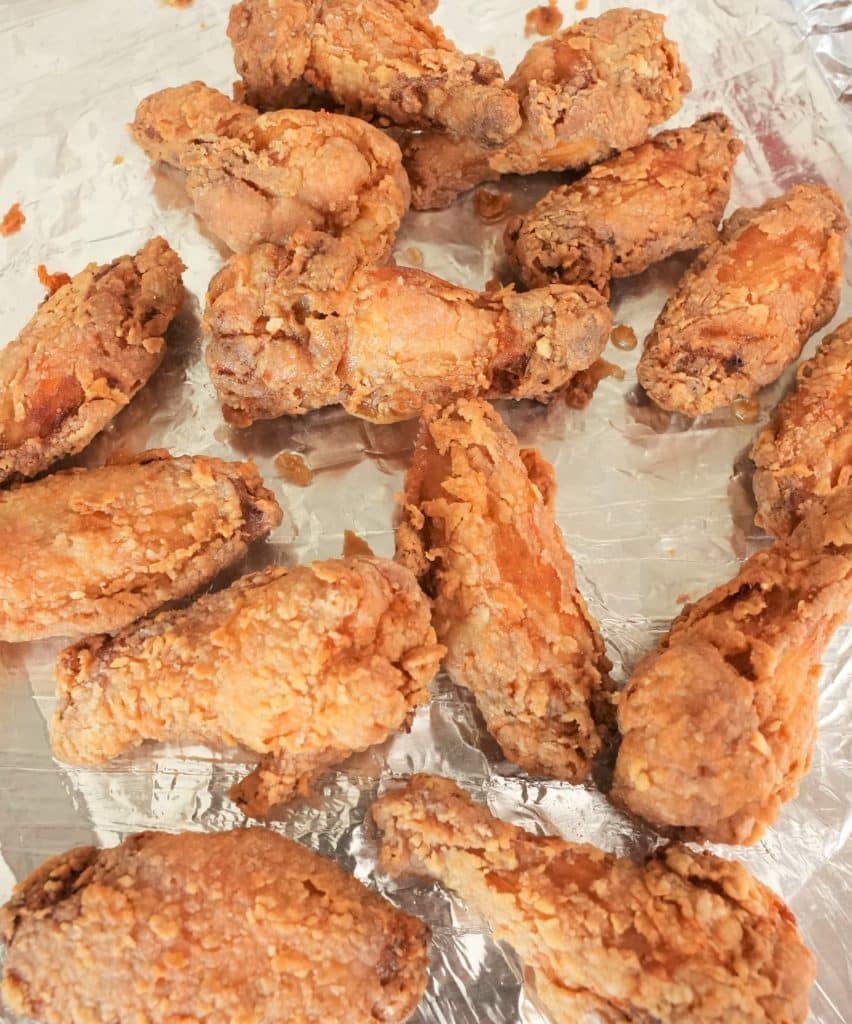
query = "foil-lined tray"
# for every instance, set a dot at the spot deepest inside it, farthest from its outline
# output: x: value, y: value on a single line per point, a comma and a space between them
x: 654, y: 508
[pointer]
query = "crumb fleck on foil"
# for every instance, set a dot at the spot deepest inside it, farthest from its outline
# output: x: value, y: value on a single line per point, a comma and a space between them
x: 13, y: 220
x: 293, y: 469
x: 52, y: 282
x: 543, y: 21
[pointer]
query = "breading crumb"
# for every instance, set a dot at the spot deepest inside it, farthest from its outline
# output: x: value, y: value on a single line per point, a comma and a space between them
x: 12, y: 221
x: 544, y: 21
x: 52, y: 282
x: 293, y: 469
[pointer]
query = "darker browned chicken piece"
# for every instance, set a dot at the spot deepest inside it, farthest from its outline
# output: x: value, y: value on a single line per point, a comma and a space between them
x: 748, y: 303
x: 241, y: 926
x: 665, y: 196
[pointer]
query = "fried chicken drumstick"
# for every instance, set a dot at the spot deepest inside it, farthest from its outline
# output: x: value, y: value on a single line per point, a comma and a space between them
x: 749, y: 302
x: 243, y: 926
x: 685, y: 938
x: 291, y: 334
x: 719, y: 724
x: 385, y: 57
x: 478, y: 528
x: 258, y: 178
x: 90, y: 550
x: 665, y: 196
x: 341, y: 654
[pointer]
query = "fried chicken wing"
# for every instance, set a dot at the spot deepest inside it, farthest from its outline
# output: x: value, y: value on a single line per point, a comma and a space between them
x: 685, y: 938
x: 478, y: 528
x: 302, y: 666
x: 263, y: 178
x: 749, y: 302
x: 290, y: 334
x: 805, y: 451
x: 719, y: 724
x: 234, y: 927
x: 593, y: 90
x: 665, y: 196
x: 85, y: 353
x: 90, y: 550
x: 385, y: 57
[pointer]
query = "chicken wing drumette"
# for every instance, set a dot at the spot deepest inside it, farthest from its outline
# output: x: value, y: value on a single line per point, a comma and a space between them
x: 685, y: 938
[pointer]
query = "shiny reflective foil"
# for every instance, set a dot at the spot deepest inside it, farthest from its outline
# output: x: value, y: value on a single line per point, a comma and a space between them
x: 655, y: 509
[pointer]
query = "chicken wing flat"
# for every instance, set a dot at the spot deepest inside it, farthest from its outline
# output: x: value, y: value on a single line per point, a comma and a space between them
x: 746, y: 306
x: 290, y: 334
x: 593, y: 90
x: 234, y: 927
x: 263, y: 178
x: 719, y: 724
x: 385, y: 57
x: 665, y: 196
x: 85, y: 353
x: 479, y: 530
x: 805, y: 451
x: 90, y: 550
x: 303, y: 666
x: 685, y: 938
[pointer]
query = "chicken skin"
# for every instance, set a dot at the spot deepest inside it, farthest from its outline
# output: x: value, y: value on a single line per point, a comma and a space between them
x: 237, y: 927
x: 265, y: 178
x: 805, y: 451
x: 290, y: 333
x: 719, y: 724
x: 341, y: 652
x: 749, y: 302
x: 685, y: 938
x: 90, y: 550
x: 665, y: 196
x: 82, y: 357
x: 478, y: 528
x: 593, y: 90
x: 383, y: 58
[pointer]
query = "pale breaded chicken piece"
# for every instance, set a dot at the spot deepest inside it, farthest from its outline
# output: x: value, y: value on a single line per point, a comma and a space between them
x: 84, y: 354
x: 478, y: 528
x: 665, y: 196
x: 719, y: 724
x: 593, y: 90
x: 290, y: 333
x: 685, y: 938
x: 237, y: 927
x: 749, y: 302
x: 90, y: 550
x: 302, y: 666
x: 805, y: 451
x: 258, y: 178
x: 382, y: 58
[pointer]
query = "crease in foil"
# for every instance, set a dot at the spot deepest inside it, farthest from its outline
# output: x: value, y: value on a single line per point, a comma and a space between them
x: 654, y: 509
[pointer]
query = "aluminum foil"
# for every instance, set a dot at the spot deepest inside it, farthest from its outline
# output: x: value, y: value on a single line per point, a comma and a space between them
x: 654, y: 508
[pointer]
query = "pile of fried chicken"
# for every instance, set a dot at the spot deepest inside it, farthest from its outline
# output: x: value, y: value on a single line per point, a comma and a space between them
x: 346, y: 115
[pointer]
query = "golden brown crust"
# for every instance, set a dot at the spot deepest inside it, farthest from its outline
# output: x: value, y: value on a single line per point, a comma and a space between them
x: 225, y: 928
x: 686, y: 938
x: 805, y: 451
x: 665, y: 196
x: 478, y: 527
x: 719, y: 724
x: 85, y: 353
x: 743, y: 310
x: 90, y: 550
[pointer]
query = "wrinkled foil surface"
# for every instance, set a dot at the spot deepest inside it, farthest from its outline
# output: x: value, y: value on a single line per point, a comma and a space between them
x: 655, y: 509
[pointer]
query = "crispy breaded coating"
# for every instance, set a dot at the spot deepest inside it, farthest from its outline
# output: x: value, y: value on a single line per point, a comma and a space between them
x: 90, y: 550
x: 262, y: 178
x: 237, y: 927
x: 685, y: 938
x: 291, y: 333
x: 383, y: 58
x: 749, y: 302
x: 593, y: 90
x: 478, y: 528
x: 665, y: 196
x: 719, y: 724
x: 302, y: 666
x: 805, y: 451
x: 85, y: 353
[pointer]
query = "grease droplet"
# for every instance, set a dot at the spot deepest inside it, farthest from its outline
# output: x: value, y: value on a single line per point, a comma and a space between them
x: 293, y: 469
x: 624, y: 337
x: 746, y: 410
